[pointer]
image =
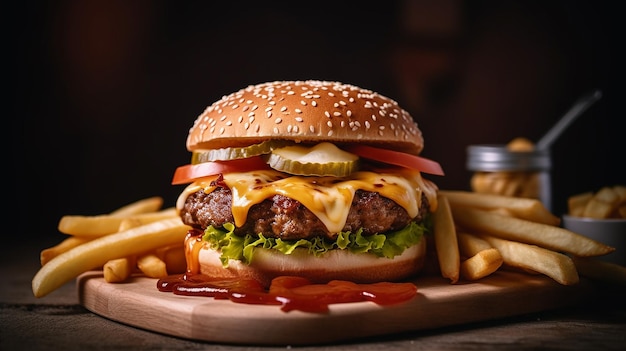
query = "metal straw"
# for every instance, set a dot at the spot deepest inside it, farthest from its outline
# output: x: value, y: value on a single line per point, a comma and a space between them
x: 580, y: 106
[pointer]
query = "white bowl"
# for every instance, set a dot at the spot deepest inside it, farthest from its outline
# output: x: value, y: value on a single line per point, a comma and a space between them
x: 608, y: 231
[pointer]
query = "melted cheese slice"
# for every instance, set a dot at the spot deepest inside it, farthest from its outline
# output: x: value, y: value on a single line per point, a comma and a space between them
x: 329, y: 198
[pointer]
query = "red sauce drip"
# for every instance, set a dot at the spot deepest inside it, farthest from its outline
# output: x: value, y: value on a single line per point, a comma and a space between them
x: 292, y: 293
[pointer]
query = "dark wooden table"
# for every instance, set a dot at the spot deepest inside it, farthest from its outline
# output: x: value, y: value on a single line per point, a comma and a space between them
x: 59, y: 322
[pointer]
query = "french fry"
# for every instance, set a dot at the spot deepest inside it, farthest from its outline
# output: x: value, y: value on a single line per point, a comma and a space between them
x: 136, y: 221
x: 597, y: 209
x: 622, y: 211
x: 446, y: 243
x: 174, y: 258
x: 118, y: 270
x: 92, y: 226
x: 97, y: 252
x: 470, y: 245
x: 621, y: 191
x: 150, y: 204
x: 481, y: 264
x: 520, y: 144
x: 68, y: 243
x: 101, y: 225
x: 602, y: 271
x: 152, y: 266
x: 555, y: 265
x: 523, y: 208
x: 510, y: 228
x: 576, y: 203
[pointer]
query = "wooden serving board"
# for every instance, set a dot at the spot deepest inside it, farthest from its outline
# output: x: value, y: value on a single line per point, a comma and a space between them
x: 138, y: 303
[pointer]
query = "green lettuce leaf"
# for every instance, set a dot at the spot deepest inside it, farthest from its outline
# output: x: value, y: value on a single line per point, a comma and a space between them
x: 383, y: 245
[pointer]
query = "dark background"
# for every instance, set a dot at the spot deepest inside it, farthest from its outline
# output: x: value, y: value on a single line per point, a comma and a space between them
x: 102, y: 93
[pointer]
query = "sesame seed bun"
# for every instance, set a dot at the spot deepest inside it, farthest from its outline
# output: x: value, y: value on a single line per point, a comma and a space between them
x: 306, y: 111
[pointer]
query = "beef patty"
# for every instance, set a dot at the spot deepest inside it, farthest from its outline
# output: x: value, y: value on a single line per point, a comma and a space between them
x: 285, y: 218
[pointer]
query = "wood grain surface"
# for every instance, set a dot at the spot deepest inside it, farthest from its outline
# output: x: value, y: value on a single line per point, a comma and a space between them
x: 138, y: 303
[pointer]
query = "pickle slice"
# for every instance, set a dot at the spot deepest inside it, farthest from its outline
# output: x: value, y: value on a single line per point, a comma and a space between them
x: 323, y: 159
x: 234, y: 153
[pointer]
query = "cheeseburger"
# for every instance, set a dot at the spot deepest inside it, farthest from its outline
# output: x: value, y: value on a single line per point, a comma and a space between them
x: 315, y: 179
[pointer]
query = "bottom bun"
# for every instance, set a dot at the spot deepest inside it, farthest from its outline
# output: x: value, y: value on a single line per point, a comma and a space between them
x: 333, y: 265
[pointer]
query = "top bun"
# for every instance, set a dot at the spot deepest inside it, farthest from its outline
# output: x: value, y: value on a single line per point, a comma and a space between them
x: 305, y: 111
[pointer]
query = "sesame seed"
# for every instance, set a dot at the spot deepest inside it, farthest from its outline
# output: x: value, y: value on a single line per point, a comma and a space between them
x: 222, y: 130
x: 312, y: 129
x: 327, y: 114
x: 276, y: 130
x: 330, y: 133
x: 298, y: 110
x: 255, y: 107
x: 303, y: 103
x: 229, y: 123
x: 240, y: 119
x: 283, y: 109
x: 223, y: 118
x: 298, y: 119
x: 329, y: 124
x: 269, y: 114
x: 367, y: 124
x: 349, y: 113
x: 336, y: 114
x: 314, y: 103
x: 246, y: 125
x: 278, y: 120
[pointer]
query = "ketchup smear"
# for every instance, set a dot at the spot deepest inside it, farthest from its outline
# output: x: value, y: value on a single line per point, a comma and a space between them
x: 292, y: 293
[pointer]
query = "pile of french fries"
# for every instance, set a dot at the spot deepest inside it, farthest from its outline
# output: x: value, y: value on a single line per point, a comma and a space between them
x: 476, y: 234
x: 140, y: 237
x: 519, y: 184
x: 608, y: 202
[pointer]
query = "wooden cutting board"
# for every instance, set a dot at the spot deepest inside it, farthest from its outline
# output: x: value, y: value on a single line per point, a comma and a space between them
x: 438, y: 303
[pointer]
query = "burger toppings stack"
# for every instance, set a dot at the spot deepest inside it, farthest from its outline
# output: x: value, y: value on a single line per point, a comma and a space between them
x: 312, y: 180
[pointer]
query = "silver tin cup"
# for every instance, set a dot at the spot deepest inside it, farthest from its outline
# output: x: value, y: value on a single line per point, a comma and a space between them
x: 499, y: 170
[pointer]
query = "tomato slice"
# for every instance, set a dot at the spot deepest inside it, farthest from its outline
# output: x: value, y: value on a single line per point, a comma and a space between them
x: 187, y: 173
x: 397, y: 158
